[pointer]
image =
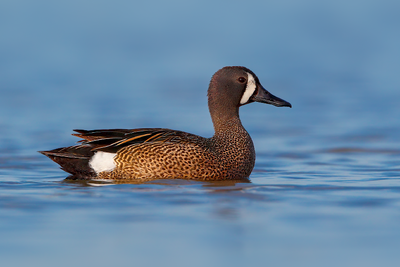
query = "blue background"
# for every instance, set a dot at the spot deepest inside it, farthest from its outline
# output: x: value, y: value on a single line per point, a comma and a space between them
x: 325, y: 190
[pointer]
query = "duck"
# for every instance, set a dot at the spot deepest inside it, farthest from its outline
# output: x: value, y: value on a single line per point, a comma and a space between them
x: 159, y: 153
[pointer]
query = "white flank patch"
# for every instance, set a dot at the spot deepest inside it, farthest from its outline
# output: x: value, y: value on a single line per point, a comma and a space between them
x: 250, y: 88
x: 102, y: 161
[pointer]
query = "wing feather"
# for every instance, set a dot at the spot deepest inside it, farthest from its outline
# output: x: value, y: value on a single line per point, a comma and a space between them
x: 112, y: 140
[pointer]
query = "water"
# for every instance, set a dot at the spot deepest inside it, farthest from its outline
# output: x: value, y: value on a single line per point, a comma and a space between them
x: 325, y: 190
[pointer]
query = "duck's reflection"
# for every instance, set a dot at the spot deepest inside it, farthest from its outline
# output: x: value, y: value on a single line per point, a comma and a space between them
x: 168, y: 182
x: 226, y: 196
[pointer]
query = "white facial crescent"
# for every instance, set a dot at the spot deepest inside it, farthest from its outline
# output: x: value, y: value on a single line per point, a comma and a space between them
x: 250, y: 88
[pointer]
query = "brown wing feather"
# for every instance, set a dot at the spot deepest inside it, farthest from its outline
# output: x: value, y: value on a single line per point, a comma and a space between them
x: 115, y: 139
x: 99, y: 134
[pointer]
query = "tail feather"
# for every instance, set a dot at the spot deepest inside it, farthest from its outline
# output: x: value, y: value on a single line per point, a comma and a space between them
x: 73, y: 159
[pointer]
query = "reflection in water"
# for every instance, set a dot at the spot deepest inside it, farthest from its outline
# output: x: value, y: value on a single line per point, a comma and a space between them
x: 167, y: 182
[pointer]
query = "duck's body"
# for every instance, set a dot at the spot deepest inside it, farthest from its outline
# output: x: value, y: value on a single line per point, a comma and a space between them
x: 155, y: 153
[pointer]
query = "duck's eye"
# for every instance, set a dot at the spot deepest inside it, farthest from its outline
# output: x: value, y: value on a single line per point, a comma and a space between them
x: 242, y: 79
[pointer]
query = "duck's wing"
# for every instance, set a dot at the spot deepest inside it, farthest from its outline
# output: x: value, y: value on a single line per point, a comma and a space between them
x: 75, y: 159
x: 113, y: 140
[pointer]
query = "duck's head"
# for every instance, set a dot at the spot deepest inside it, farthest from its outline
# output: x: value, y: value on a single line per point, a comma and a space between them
x: 237, y: 86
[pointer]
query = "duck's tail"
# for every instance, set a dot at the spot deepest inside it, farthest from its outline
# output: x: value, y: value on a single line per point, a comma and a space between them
x: 74, y: 160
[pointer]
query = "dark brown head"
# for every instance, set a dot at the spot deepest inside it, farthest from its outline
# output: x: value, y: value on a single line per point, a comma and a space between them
x: 232, y: 87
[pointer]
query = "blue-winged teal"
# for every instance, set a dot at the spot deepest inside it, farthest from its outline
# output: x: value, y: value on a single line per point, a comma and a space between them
x: 154, y: 153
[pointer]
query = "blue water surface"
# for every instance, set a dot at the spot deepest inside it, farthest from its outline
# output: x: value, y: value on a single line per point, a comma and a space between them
x: 325, y: 190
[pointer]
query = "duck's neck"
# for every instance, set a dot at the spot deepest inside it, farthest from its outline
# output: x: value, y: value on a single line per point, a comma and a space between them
x: 224, y: 118
x: 229, y: 129
x: 228, y: 126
